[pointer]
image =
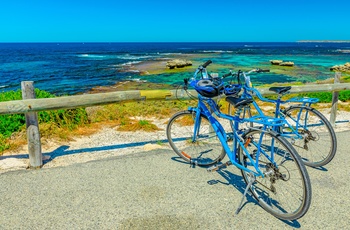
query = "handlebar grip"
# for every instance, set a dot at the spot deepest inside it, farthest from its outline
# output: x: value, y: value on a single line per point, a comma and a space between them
x: 226, y: 75
x: 207, y: 63
x: 264, y: 70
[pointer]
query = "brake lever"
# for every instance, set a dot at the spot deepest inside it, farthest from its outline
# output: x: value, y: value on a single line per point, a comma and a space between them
x: 186, y: 83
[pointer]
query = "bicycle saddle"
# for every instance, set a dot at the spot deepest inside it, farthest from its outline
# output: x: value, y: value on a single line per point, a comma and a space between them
x: 237, y: 102
x: 280, y: 90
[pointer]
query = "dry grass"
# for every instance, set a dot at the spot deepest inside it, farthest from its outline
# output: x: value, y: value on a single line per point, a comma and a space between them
x: 123, y: 116
x: 137, y: 125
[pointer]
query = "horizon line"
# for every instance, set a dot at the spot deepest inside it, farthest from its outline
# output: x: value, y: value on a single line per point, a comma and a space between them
x: 298, y: 41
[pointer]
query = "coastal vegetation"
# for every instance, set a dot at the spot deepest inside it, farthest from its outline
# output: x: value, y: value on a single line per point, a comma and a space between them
x: 62, y: 125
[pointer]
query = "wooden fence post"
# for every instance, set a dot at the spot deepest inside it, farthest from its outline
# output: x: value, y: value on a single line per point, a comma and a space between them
x: 335, y: 98
x: 32, y: 124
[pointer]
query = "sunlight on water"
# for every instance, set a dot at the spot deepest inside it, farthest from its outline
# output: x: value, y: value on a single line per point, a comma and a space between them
x: 75, y: 68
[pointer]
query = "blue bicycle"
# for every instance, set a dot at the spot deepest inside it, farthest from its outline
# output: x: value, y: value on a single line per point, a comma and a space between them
x: 306, y: 128
x: 270, y: 166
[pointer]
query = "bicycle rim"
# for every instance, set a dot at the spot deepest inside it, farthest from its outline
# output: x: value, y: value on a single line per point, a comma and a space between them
x: 285, y: 190
x: 317, y: 144
x: 203, y: 149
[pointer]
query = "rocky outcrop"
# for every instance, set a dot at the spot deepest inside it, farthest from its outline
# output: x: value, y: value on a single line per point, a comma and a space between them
x: 178, y: 63
x: 276, y: 62
x: 287, y: 63
x: 282, y: 63
x: 341, y: 68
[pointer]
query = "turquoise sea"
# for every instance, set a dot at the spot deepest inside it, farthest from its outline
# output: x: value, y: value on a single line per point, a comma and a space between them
x: 71, y: 68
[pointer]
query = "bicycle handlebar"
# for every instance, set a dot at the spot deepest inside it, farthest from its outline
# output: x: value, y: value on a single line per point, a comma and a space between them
x: 263, y: 70
x: 227, y: 75
x: 207, y: 63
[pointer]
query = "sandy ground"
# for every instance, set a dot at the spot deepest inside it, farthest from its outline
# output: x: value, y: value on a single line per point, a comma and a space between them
x: 110, y: 142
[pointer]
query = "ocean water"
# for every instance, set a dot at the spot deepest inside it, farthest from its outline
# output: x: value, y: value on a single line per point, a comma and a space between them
x: 71, y: 68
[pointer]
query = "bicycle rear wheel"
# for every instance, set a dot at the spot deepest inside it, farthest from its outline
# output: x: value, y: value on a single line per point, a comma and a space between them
x: 247, y: 113
x: 203, y: 148
x: 285, y: 189
x: 318, y: 144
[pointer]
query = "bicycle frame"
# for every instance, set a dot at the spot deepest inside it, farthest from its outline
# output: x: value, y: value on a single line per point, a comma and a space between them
x: 249, y: 92
x: 202, y: 109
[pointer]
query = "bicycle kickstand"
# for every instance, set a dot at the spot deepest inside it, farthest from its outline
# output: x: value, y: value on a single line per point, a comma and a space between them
x: 251, y: 181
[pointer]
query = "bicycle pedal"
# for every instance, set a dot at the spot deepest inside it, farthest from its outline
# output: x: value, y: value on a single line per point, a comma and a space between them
x: 219, y: 166
x: 214, y: 167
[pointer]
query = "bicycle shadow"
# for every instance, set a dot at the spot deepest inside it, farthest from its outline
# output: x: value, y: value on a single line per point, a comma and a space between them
x: 64, y: 150
x: 238, y: 183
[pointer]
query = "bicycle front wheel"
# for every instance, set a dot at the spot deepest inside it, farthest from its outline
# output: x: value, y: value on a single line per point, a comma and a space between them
x: 316, y: 142
x: 285, y: 189
x: 201, y: 147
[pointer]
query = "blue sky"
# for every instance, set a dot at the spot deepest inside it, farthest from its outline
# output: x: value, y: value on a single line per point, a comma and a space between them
x: 173, y: 21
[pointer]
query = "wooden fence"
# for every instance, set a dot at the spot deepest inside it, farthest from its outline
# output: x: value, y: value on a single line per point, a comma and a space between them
x: 29, y: 105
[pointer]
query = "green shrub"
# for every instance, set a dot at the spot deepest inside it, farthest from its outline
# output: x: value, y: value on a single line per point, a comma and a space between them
x: 326, y: 97
x: 11, y: 123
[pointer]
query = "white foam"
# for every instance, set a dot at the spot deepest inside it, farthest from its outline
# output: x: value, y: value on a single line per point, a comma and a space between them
x: 91, y: 56
x: 217, y: 51
x: 133, y: 57
x: 130, y: 63
x: 343, y: 51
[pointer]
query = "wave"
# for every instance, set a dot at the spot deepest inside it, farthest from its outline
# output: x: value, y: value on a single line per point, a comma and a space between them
x: 133, y: 57
x: 126, y: 64
x: 167, y: 54
x: 130, y: 63
x: 91, y: 56
x: 123, y: 56
x: 217, y: 51
x: 343, y: 51
x: 3, y: 86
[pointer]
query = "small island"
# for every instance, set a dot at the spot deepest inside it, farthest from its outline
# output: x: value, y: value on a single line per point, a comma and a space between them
x: 324, y: 41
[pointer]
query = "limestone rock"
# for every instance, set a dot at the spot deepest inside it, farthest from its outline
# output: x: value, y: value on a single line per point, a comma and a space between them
x: 341, y: 68
x: 178, y: 63
x: 276, y: 62
x: 287, y: 63
x: 282, y: 63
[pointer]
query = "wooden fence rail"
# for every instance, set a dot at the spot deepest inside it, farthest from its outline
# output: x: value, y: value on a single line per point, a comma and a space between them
x: 86, y: 100
x: 29, y: 105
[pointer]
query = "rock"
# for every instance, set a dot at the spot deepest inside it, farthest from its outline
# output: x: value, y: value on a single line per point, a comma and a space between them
x: 276, y: 62
x: 341, y: 68
x: 178, y: 63
x: 287, y: 63
x: 282, y: 63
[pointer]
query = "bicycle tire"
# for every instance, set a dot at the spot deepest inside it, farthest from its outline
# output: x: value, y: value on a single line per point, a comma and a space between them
x: 319, y: 143
x: 205, y: 150
x: 285, y: 190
